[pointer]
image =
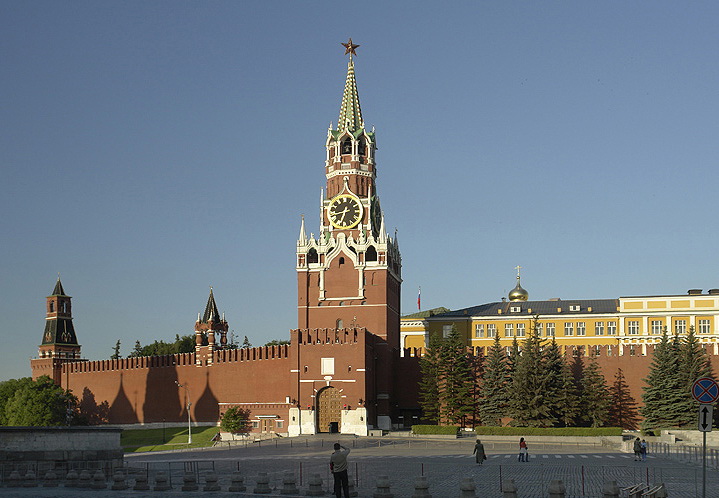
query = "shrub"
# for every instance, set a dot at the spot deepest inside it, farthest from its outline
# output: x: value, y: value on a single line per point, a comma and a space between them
x: 446, y: 430
x: 548, y: 431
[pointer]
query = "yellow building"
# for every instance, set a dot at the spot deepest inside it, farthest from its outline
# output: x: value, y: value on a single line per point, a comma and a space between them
x: 587, y: 323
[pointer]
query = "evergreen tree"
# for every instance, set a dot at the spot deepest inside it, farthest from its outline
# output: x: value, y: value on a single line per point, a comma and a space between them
x: 116, y: 351
x: 456, y: 380
x: 568, y: 397
x: 429, y: 383
x: 694, y: 364
x: 527, y: 401
x: 595, y: 396
x: 246, y: 343
x: 622, y: 406
x: 137, y: 350
x: 663, y: 396
x: 493, y: 392
x: 236, y: 420
x: 554, y: 396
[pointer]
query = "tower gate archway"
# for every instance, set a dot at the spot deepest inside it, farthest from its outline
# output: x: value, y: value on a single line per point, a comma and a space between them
x: 329, y: 409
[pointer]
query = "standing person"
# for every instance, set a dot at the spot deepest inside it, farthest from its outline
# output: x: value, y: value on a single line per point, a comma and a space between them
x: 523, y: 451
x: 643, y: 450
x: 481, y: 456
x: 338, y: 466
x: 637, y: 447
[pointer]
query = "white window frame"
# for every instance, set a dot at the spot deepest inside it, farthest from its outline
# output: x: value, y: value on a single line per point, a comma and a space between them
x: 568, y: 328
x: 328, y: 366
x: 521, y: 330
x: 540, y: 329
x: 657, y: 327
x: 508, y: 330
x: 632, y: 327
x: 581, y: 328
x: 680, y: 326
x: 611, y: 327
x: 705, y: 326
x: 478, y: 330
x: 491, y: 330
x: 551, y: 329
x: 575, y: 307
x: 598, y: 328
x: 446, y: 331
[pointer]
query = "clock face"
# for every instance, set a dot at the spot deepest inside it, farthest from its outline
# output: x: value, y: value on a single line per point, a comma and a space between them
x: 345, y: 211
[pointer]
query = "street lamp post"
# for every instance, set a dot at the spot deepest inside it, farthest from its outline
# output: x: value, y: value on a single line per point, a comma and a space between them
x: 189, y: 420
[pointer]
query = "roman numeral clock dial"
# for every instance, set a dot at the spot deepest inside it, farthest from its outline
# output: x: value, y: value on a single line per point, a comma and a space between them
x: 344, y: 211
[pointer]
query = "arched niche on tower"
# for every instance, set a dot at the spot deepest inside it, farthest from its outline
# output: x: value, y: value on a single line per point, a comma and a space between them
x: 346, y: 147
x: 371, y: 254
x: 312, y: 256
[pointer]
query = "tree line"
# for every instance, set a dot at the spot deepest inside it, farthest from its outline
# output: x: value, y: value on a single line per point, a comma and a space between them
x: 181, y: 344
x: 535, y: 385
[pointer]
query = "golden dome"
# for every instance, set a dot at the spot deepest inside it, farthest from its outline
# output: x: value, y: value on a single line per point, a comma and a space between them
x: 518, y: 294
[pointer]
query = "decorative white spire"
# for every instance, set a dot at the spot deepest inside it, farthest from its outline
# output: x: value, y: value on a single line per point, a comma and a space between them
x: 303, y: 235
x: 382, y: 232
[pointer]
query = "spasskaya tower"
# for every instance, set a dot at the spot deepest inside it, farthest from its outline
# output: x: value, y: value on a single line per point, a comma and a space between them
x: 350, y: 274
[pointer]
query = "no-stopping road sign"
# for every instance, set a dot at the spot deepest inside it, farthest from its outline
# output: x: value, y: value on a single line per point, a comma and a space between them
x: 705, y: 390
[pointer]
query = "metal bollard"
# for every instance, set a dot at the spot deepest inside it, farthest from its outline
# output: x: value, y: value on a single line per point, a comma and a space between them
x: 610, y: 490
x: 237, y: 483
x: 421, y: 488
x: 162, y: 483
x: 289, y: 484
x: 262, y: 484
x: 382, y: 490
x: 556, y: 489
x: 509, y: 489
x: 467, y: 488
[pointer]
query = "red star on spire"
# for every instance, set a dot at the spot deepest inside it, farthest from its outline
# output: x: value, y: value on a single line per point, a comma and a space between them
x: 350, y: 48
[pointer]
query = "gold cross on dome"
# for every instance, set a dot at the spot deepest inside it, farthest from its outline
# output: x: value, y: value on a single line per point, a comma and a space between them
x: 517, y: 268
x: 350, y: 48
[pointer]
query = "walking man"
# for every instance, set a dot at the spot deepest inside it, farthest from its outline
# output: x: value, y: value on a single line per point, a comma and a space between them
x: 338, y: 466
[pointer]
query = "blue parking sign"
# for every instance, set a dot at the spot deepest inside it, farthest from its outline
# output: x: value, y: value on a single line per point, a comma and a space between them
x: 705, y: 390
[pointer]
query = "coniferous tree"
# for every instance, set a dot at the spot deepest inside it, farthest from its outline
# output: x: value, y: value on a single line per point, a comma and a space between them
x: 622, y: 408
x: 568, y: 397
x: 554, y: 396
x: 527, y: 403
x: 595, y: 396
x: 456, y: 379
x: 429, y: 383
x: 694, y: 364
x: 116, y: 351
x: 493, y: 392
x: 663, y: 397
x: 246, y: 343
x: 137, y: 350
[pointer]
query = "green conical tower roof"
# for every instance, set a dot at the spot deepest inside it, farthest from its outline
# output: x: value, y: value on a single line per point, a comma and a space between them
x: 58, y: 290
x: 350, y: 111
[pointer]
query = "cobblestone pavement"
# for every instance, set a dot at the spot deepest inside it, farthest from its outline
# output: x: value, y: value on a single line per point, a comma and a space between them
x: 445, y: 464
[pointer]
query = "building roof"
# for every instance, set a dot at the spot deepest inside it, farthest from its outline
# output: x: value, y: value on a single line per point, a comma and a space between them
x: 541, y: 308
x: 427, y: 313
x: 58, y: 290
x: 211, y: 309
x: 350, y: 111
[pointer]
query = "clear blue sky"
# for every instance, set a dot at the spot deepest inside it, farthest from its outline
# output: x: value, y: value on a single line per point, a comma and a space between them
x: 152, y: 149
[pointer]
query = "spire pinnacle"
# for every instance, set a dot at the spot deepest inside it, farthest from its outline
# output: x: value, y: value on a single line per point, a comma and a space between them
x: 303, y: 235
x: 211, y: 309
x: 350, y: 111
x: 58, y: 290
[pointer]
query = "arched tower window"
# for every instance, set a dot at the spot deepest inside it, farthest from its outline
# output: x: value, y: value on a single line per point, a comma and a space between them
x: 342, y: 261
x: 312, y: 256
x: 340, y: 323
x: 362, y: 147
x: 371, y: 254
x: 64, y: 306
x: 347, y: 146
x: 52, y: 307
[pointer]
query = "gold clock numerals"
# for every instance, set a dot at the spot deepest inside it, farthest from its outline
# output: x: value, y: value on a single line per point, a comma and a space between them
x: 344, y: 211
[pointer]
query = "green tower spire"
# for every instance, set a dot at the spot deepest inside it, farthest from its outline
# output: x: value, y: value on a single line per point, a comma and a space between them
x: 350, y: 111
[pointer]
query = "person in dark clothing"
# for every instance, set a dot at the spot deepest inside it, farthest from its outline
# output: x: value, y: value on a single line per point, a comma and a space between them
x: 338, y: 466
x: 481, y: 456
x: 637, y: 450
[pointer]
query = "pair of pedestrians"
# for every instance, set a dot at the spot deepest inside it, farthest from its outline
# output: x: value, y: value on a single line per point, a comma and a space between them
x: 481, y: 456
x: 640, y: 450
